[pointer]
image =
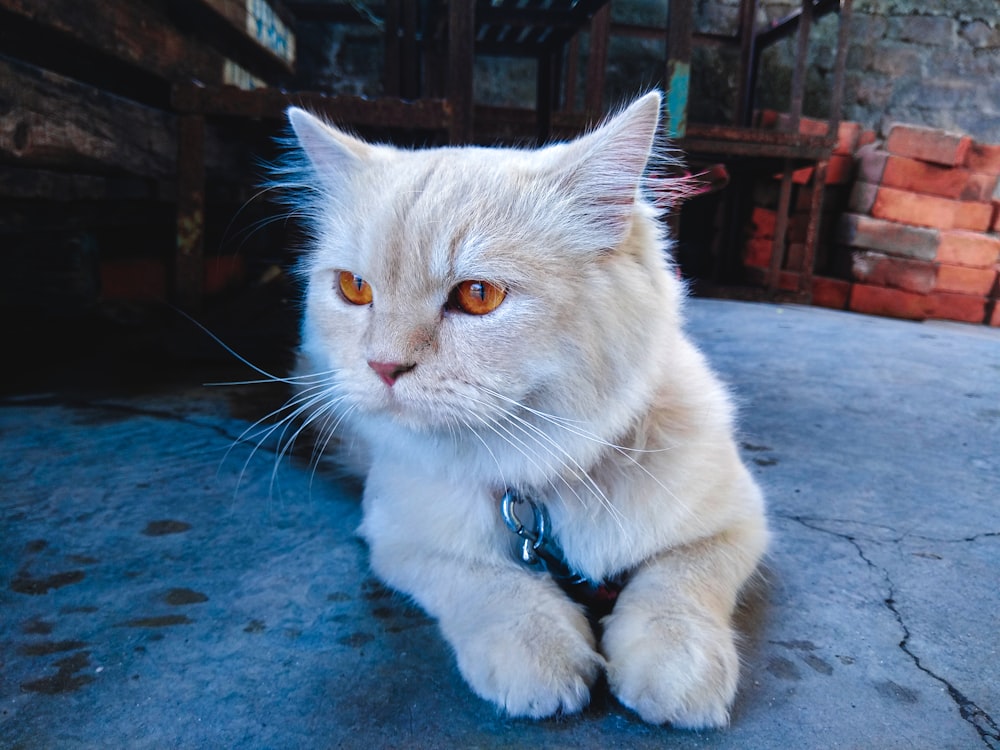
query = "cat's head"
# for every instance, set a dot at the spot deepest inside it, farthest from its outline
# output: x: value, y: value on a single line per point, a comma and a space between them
x: 447, y: 287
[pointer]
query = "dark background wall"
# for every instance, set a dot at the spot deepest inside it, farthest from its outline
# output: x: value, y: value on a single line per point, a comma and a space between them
x: 924, y: 63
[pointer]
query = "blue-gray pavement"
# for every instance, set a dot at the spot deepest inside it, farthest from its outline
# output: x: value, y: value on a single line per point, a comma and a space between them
x: 162, y: 585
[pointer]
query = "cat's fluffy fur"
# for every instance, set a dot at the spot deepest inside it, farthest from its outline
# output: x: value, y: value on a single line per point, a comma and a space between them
x: 580, y: 390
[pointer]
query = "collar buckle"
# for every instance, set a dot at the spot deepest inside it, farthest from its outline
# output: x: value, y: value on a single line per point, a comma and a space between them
x: 540, y: 550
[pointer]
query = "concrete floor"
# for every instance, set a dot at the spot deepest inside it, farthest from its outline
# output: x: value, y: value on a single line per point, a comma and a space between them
x: 161, y: 587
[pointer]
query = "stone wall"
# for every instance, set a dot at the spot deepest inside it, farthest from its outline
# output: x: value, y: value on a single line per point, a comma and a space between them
x: 935, y: 64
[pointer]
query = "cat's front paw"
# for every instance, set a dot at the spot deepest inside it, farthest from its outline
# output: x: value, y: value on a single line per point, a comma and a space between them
x: 680, y: 669
x: 535, y: 665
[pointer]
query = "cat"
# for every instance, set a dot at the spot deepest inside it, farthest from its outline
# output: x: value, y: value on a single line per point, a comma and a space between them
x: 482, y: 321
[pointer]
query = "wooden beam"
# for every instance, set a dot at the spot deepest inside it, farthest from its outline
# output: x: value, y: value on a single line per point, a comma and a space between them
x: 139, y: 34
x: 53, y: 121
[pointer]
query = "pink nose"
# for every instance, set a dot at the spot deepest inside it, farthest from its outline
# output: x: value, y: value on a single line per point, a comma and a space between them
x: 390, y: 371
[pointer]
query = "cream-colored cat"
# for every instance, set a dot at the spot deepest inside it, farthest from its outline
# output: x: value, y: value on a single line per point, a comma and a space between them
x: 482, y: 320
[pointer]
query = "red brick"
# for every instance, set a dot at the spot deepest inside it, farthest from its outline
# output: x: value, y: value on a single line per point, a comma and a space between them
x: 928, y: 144
x: 762, y: 222
x: 848, y: 133
x: 827, y: 292
x: 768, y: 118
x: 839, y: 171
x: 807, y: 125
x: 930, y: 211
x: 788, y: 281
x: 965, y: 308
x: 866, y: 137
x: 983, y: 157
x: 801, y: 176
x: 974, y: 216
x: 964, y: 248
x: 901, y: 273
x: 889, y: 237
x: 894, y: 303
x: 758, y: 252
x: 848, y: 137
x: 923, y: 177
x: 946, y: 182
x: 995, y: 223
x: 964, y: 280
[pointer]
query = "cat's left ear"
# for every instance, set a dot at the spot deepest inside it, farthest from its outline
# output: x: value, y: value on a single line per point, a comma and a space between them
x: 333, y: 153
x: 604, y: 169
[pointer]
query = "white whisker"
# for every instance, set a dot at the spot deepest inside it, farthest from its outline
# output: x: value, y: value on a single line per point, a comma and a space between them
x: 554, y: 448
x: 570, y: 425
x: 556, y: 452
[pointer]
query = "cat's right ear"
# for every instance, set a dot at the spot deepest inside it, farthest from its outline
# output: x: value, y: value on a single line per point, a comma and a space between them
x: 330, y: 151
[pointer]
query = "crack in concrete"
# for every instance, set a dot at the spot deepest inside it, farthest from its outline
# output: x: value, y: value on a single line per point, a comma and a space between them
x: 980, y: 720
x: 973, y: 538
x: 892, y: 535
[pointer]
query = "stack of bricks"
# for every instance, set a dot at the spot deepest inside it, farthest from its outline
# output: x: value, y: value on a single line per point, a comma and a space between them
x: 923, y: 227
x: 826, y: 290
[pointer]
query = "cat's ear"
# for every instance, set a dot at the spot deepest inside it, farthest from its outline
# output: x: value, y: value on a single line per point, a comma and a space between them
x: 331, y: 152
x: 604, y: 169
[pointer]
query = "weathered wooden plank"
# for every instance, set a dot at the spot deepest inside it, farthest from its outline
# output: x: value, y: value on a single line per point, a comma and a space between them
x: 422, y: 114
x: 48, y: 120
x: 141, y: 34
x: 753, y: 142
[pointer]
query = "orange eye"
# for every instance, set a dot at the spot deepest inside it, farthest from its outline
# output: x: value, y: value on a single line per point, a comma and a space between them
x: 355, y: 289
x: 477, y: 297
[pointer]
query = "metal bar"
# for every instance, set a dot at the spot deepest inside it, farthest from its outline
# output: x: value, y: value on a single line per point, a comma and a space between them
x: 801, y: 61
x: 812, y: 232
x: 784, y: 197
x: 748, y: 63
x: 786, y: 26
x: 840, y: 62
x: 780, y: 228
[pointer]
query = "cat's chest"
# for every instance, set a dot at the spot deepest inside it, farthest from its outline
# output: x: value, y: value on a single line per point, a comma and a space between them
x: 591, y: 534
